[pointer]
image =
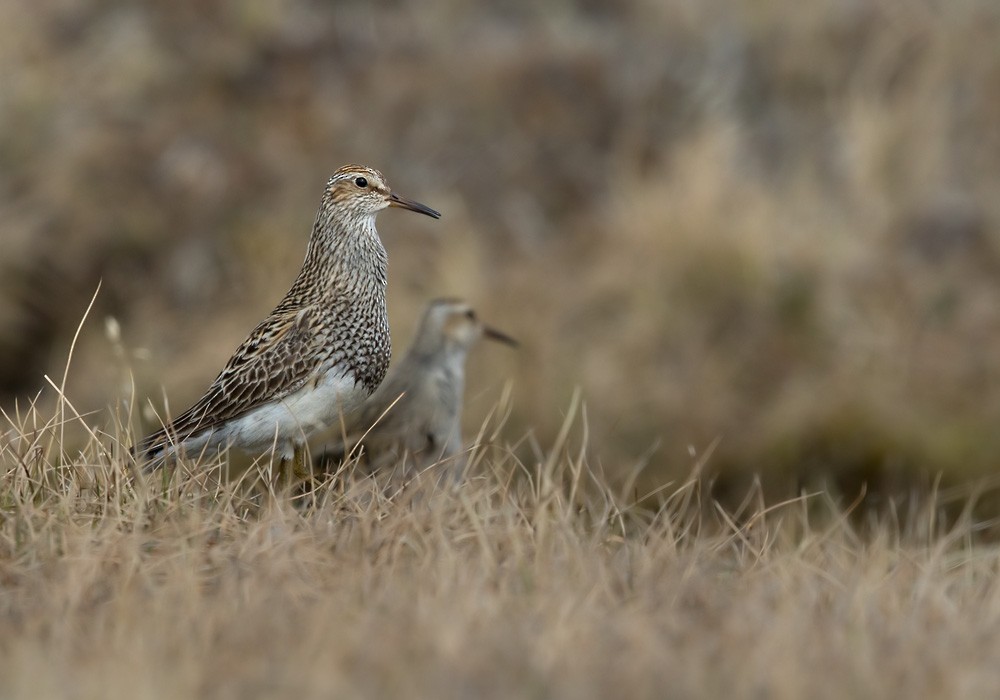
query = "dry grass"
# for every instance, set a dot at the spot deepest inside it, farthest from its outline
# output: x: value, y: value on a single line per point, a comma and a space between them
x: 530, y: 580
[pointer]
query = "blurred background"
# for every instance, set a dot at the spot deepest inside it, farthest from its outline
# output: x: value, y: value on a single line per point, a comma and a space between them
x: 773, y: 224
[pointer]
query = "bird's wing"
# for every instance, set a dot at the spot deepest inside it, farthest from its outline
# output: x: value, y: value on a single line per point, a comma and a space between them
x: 276, y: 359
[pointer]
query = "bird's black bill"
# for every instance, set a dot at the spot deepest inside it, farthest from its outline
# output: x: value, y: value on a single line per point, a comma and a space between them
x: 396, y: 201
x: 494, y: 334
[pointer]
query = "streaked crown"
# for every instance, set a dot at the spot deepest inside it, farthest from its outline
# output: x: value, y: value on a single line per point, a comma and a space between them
x: 359, y: 191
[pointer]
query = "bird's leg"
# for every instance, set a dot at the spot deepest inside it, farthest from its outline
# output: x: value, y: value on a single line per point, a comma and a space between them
x: 292, y: 470
x: 293, y: 473
x: 284, y: 476
x: 300, y: 463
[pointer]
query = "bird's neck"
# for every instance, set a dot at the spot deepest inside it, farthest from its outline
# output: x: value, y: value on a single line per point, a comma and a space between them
x: 430, y: 349
x: 345, y: 257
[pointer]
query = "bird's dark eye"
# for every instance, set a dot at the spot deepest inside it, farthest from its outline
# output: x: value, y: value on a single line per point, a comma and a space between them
x: 471, y: 315
x: 361, y: 182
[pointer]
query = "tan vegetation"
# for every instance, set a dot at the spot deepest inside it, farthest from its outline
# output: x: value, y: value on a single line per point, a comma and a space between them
x: 529, y: 580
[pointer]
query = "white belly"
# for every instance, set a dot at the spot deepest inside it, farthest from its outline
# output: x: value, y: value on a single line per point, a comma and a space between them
x: 286, y: 423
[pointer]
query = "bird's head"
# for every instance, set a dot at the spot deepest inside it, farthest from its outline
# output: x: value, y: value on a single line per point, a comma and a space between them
x: 361, y: 192
x: 454, y: 324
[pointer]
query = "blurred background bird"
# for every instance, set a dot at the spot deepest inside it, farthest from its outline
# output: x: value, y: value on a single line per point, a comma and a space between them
x: 413, y: 421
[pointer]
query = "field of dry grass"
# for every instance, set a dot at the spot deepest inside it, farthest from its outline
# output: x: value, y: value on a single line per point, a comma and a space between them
x: 530, y: 580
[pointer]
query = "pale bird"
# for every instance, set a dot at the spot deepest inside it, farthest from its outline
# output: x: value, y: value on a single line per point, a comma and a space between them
x: 322, y: 351
x: 413, y: 420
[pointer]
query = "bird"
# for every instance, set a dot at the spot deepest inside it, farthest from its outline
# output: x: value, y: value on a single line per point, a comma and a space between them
x: 413, y: 420
x: 319, y: 354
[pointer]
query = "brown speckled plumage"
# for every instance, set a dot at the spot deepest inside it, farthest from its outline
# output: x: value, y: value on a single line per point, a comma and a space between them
x: 327, y: 339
